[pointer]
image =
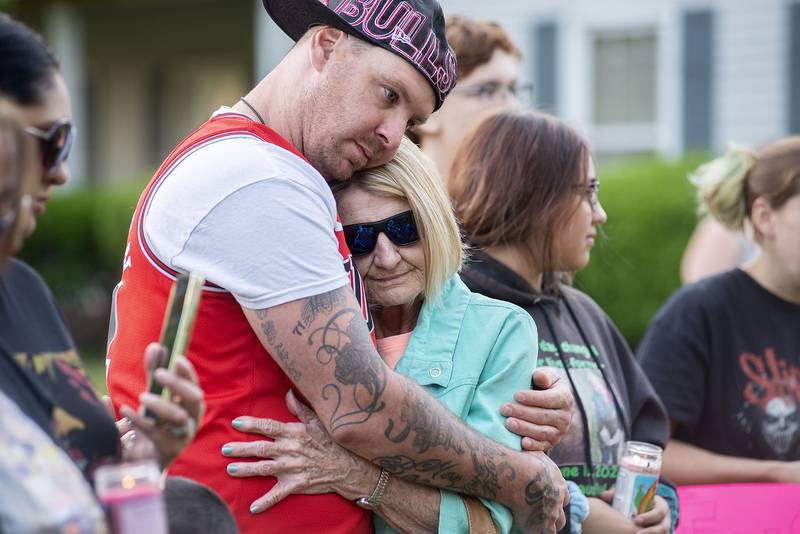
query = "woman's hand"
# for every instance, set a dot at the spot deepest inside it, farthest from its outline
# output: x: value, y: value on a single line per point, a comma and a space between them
x: 656, y: 521
x: 176, y: 420
x: 302, y: 456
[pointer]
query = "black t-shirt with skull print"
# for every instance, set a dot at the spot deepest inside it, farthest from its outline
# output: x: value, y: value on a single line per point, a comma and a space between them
x: 724, y: 355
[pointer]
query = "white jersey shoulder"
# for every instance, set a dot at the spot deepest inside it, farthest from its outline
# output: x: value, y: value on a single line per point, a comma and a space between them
x: 237, y: 208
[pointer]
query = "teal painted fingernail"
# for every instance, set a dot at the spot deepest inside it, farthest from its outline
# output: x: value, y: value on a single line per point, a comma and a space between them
x: 254, y: 509
x: 237, y: 423
x: 232, y: 469
x: 227, y: 449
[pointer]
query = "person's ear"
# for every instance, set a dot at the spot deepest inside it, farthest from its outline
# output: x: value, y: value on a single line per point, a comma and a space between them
x: 430, y: 128
x: 321, y: 45
x: 763, y: 219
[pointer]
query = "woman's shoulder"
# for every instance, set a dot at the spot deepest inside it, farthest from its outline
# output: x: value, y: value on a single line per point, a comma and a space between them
x: 705, y: 296
x: 584, y: 305
x: 474, y: 310
x: 19, y: 277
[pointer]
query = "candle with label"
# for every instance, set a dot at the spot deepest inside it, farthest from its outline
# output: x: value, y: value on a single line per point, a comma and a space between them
x: 132, y: 497
x: 637, y: 480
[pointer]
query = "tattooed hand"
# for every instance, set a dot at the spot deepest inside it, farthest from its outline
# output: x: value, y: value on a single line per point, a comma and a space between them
x: 546, y: 496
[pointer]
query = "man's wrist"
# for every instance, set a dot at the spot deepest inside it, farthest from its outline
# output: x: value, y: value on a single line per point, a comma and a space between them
x: 360, y: 481
x: 375, y: 498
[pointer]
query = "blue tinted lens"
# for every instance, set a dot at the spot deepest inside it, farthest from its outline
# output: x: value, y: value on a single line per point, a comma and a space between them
x: 402, y: 230
x: 364, y: 240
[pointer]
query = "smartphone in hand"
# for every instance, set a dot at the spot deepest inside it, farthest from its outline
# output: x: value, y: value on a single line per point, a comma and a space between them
x: 176, y: 330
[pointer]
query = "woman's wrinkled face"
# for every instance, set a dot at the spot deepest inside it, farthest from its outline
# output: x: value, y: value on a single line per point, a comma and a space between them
x: 574, y: 240
x: 393, y: 275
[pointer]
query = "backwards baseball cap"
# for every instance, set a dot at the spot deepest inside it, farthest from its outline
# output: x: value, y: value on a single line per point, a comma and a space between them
x: 412, y: 29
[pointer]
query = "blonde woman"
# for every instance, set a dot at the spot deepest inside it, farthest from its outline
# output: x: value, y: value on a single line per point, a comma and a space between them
x: 724, y: 353
x: 469, y: 351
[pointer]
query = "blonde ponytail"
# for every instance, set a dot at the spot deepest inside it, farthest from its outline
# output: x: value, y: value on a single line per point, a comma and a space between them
x: 721, y: 186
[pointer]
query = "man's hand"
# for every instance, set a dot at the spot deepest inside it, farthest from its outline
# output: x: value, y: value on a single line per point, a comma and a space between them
x: 546, y: 497
x: 541, y: 416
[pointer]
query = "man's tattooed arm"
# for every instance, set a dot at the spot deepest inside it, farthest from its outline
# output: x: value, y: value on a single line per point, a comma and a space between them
x: 323, y: 345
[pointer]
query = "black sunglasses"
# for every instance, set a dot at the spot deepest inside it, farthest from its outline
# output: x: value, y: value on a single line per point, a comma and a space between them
x: 55, y: 142
x: 401, y: 229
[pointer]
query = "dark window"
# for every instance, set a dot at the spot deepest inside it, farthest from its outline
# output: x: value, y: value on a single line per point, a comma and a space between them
x: 697, y: 73
x: 794, y: 69
x: 546, y: 76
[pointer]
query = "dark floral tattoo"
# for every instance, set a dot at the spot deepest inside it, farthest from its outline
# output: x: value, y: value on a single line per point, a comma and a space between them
x: 344, y: 341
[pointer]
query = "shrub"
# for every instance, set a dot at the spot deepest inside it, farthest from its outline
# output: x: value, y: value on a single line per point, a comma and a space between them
x: 636, y: 266
x: 80, y: 241
x: 77, y: 248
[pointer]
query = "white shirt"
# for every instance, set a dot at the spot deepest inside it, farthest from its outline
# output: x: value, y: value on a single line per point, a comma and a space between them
x: 252, y: 217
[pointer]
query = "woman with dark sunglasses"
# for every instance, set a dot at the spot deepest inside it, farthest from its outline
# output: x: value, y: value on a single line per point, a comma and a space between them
x: 30, y: 453
x: 33, y: 336
x: 470, y: 351
x: 30, y: 78
x: 524, y: 188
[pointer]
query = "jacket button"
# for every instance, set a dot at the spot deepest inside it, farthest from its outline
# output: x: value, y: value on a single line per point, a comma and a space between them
x: 435, y: 372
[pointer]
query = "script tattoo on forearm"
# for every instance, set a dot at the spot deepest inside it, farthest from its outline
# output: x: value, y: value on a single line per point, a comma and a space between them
x: 419, y: 472
x: 359, y: 375
x: 421, y: 416
x: 485, y: 482
x: 270, y: 331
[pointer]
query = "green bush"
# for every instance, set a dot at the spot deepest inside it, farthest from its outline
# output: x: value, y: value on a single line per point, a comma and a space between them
x: 81, y: 239
x: 651, y: 214
x: 77, y: 248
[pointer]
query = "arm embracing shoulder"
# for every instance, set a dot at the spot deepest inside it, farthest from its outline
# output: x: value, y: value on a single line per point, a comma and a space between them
x: 507, y: 369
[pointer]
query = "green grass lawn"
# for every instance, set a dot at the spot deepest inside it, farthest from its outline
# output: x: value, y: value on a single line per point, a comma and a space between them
x: 95, y: 366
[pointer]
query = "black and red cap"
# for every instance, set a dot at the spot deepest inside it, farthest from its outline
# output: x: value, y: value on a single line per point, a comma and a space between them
x: 412, y: 29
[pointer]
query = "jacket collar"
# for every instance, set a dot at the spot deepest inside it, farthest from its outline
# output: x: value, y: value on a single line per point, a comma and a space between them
x: 444, y: 318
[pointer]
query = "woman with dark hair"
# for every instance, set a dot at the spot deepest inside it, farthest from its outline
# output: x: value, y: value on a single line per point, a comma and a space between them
x: 523, y: 185
x: 724, y: 353
x: 30, y: 454
x: 33, y: 336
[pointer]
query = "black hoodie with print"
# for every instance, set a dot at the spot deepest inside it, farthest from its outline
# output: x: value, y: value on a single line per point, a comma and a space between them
x: 577, y: 339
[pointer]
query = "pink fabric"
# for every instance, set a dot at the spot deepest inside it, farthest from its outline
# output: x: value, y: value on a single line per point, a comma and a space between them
x: 392, y: 348
x: 739, y: 509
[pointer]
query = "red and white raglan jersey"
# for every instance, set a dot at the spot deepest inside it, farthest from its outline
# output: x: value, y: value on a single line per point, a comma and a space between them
x: 237, y: 203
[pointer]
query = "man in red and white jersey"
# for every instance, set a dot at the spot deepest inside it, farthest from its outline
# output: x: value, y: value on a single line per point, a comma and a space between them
x: 245, y: 200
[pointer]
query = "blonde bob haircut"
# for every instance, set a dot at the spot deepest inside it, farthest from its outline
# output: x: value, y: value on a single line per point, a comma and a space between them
x: 411, y: 176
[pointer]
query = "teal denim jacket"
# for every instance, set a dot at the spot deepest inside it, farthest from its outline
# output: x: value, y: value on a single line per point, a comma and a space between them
x: 472, y: 353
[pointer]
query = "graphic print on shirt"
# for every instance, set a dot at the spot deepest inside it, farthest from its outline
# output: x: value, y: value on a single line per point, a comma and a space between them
x: 59, y: 370
x: 605, y: 430
x: 771, y: 393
